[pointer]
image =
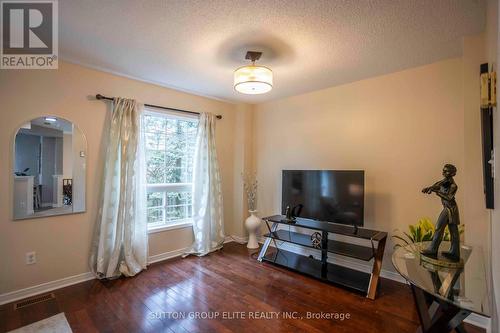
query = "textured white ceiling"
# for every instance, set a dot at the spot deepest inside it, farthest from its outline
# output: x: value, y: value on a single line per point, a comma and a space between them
x: 195, y: 45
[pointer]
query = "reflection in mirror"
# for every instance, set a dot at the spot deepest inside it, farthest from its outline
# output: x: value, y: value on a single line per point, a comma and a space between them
x: 49, y: 168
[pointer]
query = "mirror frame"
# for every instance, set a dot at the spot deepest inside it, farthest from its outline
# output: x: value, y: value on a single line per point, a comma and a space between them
x: 13, y: 167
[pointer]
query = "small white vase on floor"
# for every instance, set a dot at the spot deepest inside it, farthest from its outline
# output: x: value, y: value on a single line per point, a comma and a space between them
x: 252, y: 224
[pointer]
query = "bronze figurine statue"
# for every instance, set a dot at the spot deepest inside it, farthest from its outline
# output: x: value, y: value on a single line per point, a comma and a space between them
x: 446, y: 190
x: 292, y: 213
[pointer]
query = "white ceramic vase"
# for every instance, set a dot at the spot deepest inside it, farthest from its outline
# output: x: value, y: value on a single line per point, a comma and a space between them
x: 252, y: 223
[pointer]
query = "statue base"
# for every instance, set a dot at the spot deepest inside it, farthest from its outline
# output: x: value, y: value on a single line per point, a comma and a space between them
x: 442, y: 261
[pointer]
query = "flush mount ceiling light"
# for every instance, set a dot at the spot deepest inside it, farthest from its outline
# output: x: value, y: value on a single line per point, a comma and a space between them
x: 253, y: 79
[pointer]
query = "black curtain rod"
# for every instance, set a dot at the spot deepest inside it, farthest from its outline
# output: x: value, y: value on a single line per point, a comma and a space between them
x: 101, y: 97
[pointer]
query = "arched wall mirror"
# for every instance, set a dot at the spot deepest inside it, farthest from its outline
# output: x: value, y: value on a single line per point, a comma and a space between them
x: 49, y: 168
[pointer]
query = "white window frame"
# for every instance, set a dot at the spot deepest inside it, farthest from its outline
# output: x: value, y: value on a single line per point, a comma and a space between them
x: 169, y: 187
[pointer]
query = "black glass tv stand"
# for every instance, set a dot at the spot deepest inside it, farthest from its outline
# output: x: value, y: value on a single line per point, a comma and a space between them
x: 362, y: 282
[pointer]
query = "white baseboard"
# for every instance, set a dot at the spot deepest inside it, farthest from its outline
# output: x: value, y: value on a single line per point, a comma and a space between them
x: 68, y: 281
x: 44, y: 287
x: 167, y: 255
x: 473, y: 319
x: 479, y: 321
x: 71, y: 280
x: 342, y: 261
x: 236, y: 239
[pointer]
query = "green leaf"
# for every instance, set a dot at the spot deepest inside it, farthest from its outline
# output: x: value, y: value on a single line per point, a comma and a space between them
x: 413, y: 232
x: 427, y: 236
x: 418, y: 234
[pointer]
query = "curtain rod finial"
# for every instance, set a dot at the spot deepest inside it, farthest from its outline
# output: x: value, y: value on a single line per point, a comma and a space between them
x: 99, y: 96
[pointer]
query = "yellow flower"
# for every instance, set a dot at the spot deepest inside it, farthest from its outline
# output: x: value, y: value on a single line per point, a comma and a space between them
x: 422, y: 231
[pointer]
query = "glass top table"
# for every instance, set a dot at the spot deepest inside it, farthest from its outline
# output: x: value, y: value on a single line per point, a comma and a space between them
x: 465, y: 288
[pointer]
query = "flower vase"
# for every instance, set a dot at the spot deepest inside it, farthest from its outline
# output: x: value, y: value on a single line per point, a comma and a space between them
x: 252, y: 224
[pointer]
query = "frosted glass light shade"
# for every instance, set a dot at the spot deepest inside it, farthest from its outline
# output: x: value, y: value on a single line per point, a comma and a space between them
x: 253, y: 80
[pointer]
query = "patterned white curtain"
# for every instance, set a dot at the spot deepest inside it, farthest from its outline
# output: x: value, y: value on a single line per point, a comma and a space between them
x: 208, y: 224
x: 120, y: 245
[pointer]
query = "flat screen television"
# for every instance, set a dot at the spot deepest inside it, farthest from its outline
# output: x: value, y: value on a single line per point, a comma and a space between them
x: 326, y: 195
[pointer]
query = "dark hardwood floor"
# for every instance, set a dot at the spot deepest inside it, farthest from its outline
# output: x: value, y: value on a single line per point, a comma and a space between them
x: 227, y: 282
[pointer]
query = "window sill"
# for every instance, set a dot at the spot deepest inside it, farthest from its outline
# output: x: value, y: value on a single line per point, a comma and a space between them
x: 173, y: 226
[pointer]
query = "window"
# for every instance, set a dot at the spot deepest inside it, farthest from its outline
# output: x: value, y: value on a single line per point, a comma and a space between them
x: 170, y: 141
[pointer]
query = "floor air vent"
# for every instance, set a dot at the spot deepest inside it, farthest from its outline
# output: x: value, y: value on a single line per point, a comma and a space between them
x: 33, y: 300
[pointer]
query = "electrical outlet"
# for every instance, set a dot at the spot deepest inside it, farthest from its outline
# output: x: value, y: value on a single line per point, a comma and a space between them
x: 30, y: 258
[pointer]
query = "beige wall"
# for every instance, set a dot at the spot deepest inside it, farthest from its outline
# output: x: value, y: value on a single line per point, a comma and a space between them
x: 401, y: 128
x: 62, y: 243
x: 243, y: 138
x: 474, y: 54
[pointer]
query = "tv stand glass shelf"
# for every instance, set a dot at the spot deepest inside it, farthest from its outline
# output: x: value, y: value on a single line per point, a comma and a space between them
x: 373, y: 244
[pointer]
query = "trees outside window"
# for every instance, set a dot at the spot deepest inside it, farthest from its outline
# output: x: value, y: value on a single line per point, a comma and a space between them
x: 169, y: 147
